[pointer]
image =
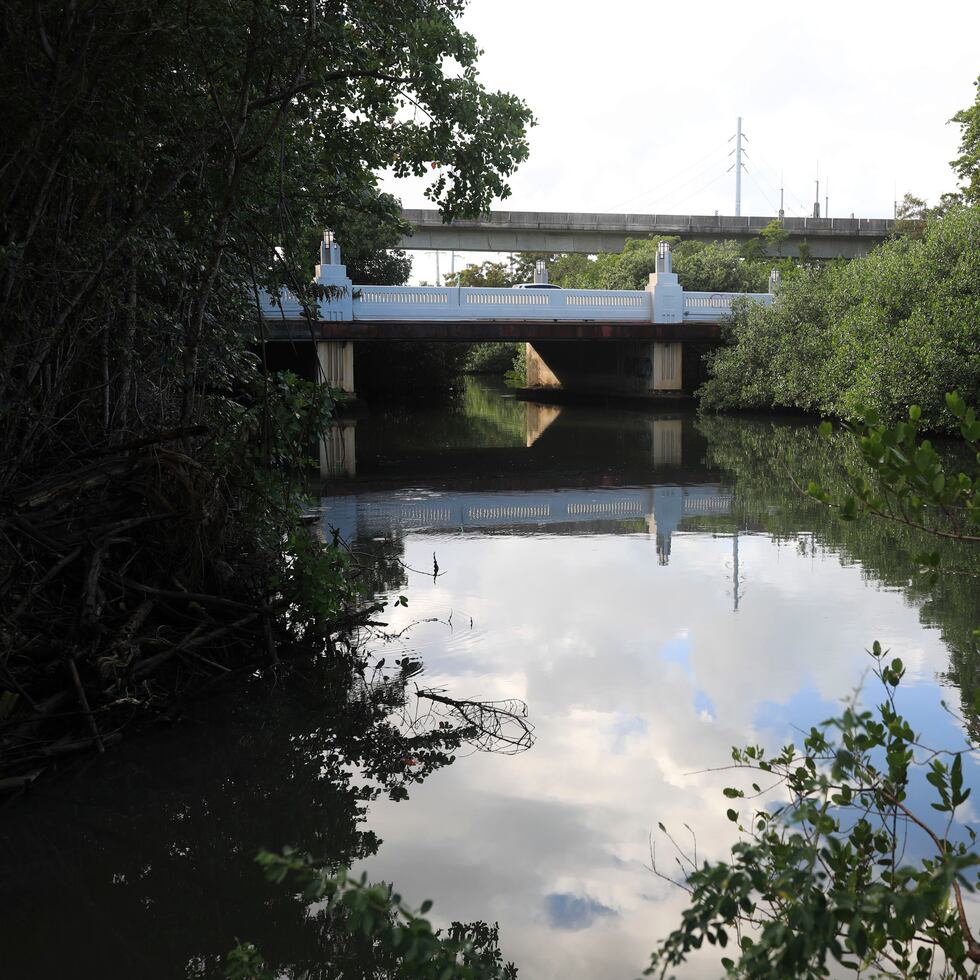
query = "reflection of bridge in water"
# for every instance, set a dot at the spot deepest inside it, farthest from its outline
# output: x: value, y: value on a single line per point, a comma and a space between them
x: 654, y: 510
x: 660, y: 440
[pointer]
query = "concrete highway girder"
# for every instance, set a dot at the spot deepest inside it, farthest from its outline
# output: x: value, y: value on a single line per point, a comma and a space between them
x: 592, y: 233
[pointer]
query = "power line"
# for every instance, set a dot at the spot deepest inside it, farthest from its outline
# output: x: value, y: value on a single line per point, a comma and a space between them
x: 694, y: 177
x: 761, y: 191
x: 700, y: 190
x: 646, y: 194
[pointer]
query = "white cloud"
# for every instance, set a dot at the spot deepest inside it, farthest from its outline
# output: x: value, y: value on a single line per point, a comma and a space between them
x: 635, y: 102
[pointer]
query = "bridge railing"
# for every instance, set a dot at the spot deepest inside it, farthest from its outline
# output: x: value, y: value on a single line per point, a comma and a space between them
x: 712, y: 306
x: 478, y: 303
x: 471, y: 303
x: 284, y: 306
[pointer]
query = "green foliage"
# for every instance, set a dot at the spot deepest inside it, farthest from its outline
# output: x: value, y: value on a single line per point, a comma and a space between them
x: 492, y: 358
x: 899, y: 327
x: 822, y: 876
x: 503, y: 275
x: 700, y: 266
x: 370, y: 249
x: 493, y: 274
x: 404, y: 942
x: 755, y: 455
x: 516, y: 377
x: 910, y: 482
x: 967, y: 164
x: 162, y: 162
x: 775, y: 235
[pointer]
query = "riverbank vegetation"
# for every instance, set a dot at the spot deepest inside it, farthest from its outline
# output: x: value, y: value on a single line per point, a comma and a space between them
x: 149, y: 509
x: 897, y: 328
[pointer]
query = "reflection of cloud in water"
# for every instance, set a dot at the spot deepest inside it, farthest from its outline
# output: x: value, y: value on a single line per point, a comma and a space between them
x: 574, y: 912
x: 704, y: 706
x: 620, y: 675
x: 625, y: 726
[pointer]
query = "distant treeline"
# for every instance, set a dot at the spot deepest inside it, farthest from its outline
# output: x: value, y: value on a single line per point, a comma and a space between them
x: 899, y: 327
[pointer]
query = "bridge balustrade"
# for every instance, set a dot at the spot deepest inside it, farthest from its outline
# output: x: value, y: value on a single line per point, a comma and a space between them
x: 479, y: 303
x: 663, y: 301
x: 471, y: 303
x: 709, y: 307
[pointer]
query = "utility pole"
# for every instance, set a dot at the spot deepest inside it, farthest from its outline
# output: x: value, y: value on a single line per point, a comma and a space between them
x: 816, y: 199
x: 826, y: 199
x: 782, y: 211
x: 738, y: 165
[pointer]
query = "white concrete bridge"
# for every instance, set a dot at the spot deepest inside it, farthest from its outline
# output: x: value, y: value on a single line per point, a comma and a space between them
x: 655, y: 321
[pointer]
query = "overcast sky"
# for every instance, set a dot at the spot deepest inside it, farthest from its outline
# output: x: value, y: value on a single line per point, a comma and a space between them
x: 636, y: 102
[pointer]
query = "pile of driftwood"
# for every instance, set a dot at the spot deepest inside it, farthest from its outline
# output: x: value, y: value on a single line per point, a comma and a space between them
x: 120, y: 595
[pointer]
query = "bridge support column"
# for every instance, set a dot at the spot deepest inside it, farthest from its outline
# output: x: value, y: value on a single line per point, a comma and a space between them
x: 668, y: 359
x: 336, y: 363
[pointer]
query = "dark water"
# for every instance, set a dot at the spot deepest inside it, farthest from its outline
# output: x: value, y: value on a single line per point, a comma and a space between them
x: 655, y: 590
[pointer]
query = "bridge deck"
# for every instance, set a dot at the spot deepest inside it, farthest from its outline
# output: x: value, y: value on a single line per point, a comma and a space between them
x: 472, y: 331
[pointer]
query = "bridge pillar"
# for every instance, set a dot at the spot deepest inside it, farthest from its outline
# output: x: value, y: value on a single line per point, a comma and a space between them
x: 668, y: 359
x: 335, y: 359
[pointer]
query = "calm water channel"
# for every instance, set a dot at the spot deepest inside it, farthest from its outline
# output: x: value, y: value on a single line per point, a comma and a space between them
x: 655, y: 590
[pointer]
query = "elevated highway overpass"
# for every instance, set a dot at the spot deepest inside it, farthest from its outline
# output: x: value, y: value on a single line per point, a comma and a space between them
x: 562, y: 231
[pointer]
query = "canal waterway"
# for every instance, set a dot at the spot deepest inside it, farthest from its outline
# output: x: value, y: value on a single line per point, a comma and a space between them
x: 653, y: 587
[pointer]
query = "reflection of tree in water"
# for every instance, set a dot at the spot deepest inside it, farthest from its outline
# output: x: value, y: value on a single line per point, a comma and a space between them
x: 764, y: 458
x: 505, y: 418
x: 380, y: 564
x: 144, y: 865
x: 477, y: 417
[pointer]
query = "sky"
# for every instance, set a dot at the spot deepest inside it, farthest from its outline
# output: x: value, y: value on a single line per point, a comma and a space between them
x: 635, y: 103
